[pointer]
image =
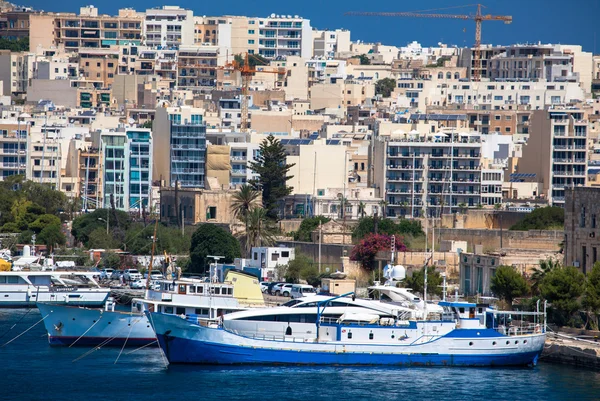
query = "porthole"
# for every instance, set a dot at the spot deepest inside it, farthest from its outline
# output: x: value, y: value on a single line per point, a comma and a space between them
x: 370, y: 335
x: 494, y: 343
x: 516, y: 342
x: 508, y: 342
x: 470, y: 343
x: 524, y: 341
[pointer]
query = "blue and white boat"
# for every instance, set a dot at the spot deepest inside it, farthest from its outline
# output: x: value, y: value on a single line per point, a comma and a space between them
x: 67, y: 325
x: 347, y: 331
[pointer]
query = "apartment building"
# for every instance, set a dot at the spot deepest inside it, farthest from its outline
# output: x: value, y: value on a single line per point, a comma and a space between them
x: 14, y: 24
x: 99, y: 65
x: 15, y: 71
x: 359, y: 202
x: 214, y: 31
x: 242, y: 153
x: 88, y: 169
x: 434, y: 173
x: 45, y: 154
x: 86, y: 30
x: 182, y: 131
x: 557, y: 151
x: 114, y: 164
x: 197, y: 66
x: 169, y: 26
x: 13, y: 147
x: 328, y: 43
x: 281, y: 36
x: 138, y: 195
x: 582, y: 239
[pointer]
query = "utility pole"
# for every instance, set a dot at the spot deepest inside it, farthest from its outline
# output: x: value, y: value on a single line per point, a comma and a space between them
x: 320, y: 241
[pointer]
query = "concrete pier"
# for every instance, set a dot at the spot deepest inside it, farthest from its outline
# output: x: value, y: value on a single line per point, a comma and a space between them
x: 568, y: 350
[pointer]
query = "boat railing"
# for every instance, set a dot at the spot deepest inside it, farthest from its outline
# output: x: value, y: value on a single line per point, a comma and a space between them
x: 403, y: 320
x: 271, y: 337
x: 520, y: 329
x: 517, y: 323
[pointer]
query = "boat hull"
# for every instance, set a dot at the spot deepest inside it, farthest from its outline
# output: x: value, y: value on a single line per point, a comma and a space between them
x: 27, y: 297
x: 185, y: 342
x: 67, y: 325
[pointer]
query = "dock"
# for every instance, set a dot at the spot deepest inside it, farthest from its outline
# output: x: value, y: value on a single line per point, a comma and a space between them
x: 571, y: 350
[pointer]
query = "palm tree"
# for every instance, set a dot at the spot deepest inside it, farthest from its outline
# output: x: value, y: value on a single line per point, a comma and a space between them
x: 243, y: 200
x: 383, y: 205
x: 546, y: 266
x: 361, y: 209
x: 259, y: 229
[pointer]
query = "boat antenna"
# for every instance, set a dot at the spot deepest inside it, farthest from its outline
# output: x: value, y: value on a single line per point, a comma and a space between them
x: 151, y: 258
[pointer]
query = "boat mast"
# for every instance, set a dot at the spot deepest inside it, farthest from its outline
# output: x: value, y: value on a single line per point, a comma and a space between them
x: 151, y: 258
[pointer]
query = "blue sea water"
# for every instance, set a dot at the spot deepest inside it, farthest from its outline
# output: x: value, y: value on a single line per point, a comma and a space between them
x: 33, y: 370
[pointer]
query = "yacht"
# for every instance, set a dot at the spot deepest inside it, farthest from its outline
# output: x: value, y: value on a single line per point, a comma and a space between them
x: 67, y: 325
x: 26, y: 288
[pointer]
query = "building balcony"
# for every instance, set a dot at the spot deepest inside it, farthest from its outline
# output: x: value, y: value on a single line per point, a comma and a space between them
x: 395, y: 167
x: 239, y: 158
x: 239, y: 172
x: 401, y: 179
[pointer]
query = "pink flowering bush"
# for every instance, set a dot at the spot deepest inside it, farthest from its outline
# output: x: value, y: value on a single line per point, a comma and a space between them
x: 366, y: 250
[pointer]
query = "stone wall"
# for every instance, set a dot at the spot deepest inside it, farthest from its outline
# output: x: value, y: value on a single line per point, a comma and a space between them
x: 483, y: 218
x: 543, y: 240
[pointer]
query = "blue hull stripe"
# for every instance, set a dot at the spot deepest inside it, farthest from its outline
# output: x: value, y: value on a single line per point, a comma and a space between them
x: 180, y: 350
x: 119, y: 341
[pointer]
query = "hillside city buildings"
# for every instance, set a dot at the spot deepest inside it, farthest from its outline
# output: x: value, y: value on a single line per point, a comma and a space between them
x: 125, y: 109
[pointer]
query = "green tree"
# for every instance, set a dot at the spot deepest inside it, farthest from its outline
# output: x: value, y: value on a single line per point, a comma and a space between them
x: 52, y: 236
x: 562, y: 287
x: 26, y: 237
x: 366, y: 225
x: 110, y: 260
x: 508, y: 284
x: 210, y: 239
x: 52, y: 201
x: 591, y: 295
x: 538, y: 274
x: 364, y: 59
x: 272, y: 170
x: 253, y: 60
x: 99, y: 239
x: 385, y: 87
x: 86, y: 223
x: 15, y: 45
x: 543, y: 218
x: 307, y: 226
x: 147, y: 124
x: 417, y: 281
x: 243, y: 200
x: 259, y: 229
x: 43, y: 221
x: 302, y: 267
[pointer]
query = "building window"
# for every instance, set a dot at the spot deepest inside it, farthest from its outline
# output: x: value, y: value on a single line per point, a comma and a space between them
x: 507, y: 129
x: 250, y: 31
x: 250, y: 41
x: 211, y: 213
x: 582, y: 217
x: 285, y: 254
x: 497, y: 117
x: 593, y: 221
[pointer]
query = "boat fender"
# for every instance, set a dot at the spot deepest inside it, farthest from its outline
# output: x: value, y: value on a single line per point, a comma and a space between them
x: 538, y: 328
x: 29, y: 292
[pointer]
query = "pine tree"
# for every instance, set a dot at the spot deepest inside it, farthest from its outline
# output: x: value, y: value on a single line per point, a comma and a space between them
x: 272, y: 171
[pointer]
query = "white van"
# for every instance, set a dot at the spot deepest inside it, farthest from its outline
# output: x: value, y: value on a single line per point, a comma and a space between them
x: 302, y: 290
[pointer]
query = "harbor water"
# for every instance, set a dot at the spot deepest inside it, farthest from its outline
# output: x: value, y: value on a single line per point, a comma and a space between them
x: 33, y: 370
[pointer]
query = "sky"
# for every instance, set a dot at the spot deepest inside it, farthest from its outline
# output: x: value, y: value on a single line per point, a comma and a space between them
x: 548, y: 21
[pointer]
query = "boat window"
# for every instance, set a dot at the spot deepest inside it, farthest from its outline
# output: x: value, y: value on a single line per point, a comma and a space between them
x: 180, y: 310
x: 292, y: 302
x: 230, y: 291
x: 202, y: 311
x: 461, y: 310
x: 12, y: 279
x: 349, y: 335
x: 200, y: 289
x: 169, y: 310
x: 217, y: 290
x: 74, y: 295
x: 370, y: 335
x: 2, y: 279
x: 191, y: 289
x: 307, y: 305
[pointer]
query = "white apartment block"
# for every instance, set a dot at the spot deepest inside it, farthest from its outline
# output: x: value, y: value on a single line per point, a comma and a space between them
x: 281, y: 36
x: 360, y: 202
x: 241, y: 154
x: 557, y: 151
x: 434, y: 173
x: 169, y: 26
x: 327, y: 43
x: 15, y: 71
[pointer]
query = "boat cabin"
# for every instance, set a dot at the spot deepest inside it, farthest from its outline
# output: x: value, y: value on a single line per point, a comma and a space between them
x: 467, y: 315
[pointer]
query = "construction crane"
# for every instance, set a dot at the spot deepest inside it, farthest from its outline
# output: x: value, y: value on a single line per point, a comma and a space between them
x: 247, y: 72
x: 478, y: 17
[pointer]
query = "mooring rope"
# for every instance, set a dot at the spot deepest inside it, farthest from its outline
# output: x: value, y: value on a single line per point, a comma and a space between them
x: 126, y: 339
x: 85, y: 332
x: 162, y: 352
x: 19, y: 321
x: 35, y: 324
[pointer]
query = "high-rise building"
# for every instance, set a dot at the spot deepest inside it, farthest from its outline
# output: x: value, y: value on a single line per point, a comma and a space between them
x: 557, y: 151
x: 169, y: 26
x: 180, y: 146
x: 435, y: 173
x: 127, y: 161
x: 284, y: 35
x: 13, y: 147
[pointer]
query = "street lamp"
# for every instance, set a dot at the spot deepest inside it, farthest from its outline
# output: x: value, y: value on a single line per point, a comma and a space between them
x: 106, y: 221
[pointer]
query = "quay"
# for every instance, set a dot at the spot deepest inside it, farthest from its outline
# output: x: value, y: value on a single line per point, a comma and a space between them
x: 570, y: 349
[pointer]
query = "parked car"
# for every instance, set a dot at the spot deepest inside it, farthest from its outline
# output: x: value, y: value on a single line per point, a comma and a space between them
x: 116, y: 275
x: 154, y: 276
x: 271, y: 287
x: 132, y: 275
x: 106, y: 273
x: 302, y: 290
x: 264, y: 286
x: 285, y: 289
x: 137, y: 284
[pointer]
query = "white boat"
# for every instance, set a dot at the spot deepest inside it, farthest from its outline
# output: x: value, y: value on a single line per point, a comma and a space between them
x: 347, y: 331
x: 67, y: 325
x: 26, y: 288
